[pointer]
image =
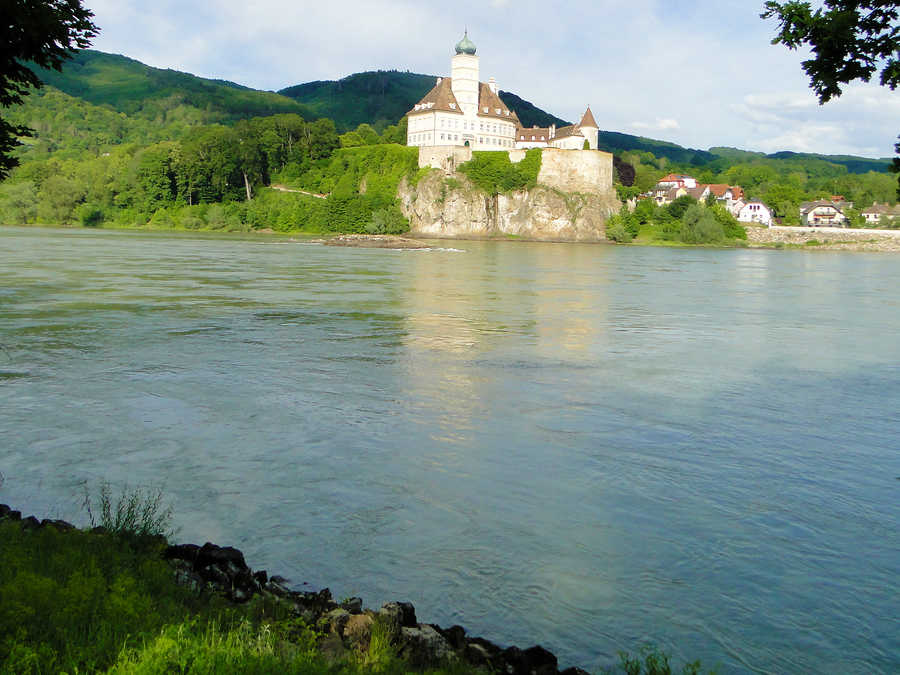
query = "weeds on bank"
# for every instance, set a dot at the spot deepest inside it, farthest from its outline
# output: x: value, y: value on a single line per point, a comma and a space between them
x: 652, y: 661
x: 137, y: 511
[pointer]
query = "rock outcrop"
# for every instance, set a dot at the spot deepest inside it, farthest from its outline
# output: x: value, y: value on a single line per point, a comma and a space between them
x: 439, y: 206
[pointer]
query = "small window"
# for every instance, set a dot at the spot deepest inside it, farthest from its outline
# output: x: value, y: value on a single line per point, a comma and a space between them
x: 452, y: 106
x: 485, y: 109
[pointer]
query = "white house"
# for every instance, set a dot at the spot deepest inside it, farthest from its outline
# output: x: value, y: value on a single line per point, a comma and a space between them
x: 755, y: 212
x: 824, y: 213
x: 462, y: 111
x: 678, y: 180
x: 881, y: 214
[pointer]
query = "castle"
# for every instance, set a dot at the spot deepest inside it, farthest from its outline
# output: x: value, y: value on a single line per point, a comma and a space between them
x: 462, y: 111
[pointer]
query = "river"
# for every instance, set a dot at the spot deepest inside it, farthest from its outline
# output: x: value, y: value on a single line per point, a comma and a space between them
x: 588, y: 447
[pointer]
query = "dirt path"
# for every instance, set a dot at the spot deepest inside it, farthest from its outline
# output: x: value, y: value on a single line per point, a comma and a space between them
x: 282, y: 188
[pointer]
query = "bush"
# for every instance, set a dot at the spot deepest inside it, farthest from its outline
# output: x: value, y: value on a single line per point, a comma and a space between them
x: 387, y: 221
x: 699, y: 226
x: 494, y: 172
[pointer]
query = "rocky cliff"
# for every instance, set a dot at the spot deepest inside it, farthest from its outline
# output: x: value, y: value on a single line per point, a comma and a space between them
x: 442, y: 206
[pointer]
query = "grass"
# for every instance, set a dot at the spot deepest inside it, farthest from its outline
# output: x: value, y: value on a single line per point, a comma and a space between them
x: 137, y: 512
x: 105, y: 600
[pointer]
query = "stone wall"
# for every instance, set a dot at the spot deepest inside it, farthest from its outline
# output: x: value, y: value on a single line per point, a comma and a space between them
x: 444, y: 157
x: 589, y: 171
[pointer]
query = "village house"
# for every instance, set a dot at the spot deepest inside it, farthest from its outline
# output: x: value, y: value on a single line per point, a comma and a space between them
x: 755, y: 211
x: 677, y: 180
x: 673, y: 186
x: 825, y: 212
x: 882, y: 214
x: 462, y: 111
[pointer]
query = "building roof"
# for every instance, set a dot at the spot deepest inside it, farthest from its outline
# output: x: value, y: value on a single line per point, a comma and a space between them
x: 884, y: 209
x: 697, y: 192
x: 571, y: 130
x: 439, y: 98
x: 588, y: 119
x: 806, y: 207
x: 539, y: 133
x: 488, y: 99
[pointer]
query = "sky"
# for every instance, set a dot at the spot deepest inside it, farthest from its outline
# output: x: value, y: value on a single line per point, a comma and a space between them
x: 699, y: 74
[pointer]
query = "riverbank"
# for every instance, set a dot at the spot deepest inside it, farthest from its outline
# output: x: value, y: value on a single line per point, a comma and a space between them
x: 833, y: 239
x: 73, y: 597
x: 827, y: 238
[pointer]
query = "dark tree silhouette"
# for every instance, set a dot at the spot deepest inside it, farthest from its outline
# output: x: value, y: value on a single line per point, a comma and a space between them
x: 43, y: 33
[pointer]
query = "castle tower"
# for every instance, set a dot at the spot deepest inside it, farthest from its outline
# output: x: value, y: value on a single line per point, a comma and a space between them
x: 589, y: 128
x: 464, y: 74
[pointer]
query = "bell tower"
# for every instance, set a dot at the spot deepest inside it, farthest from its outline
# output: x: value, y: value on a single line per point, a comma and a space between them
x: 464, y: 74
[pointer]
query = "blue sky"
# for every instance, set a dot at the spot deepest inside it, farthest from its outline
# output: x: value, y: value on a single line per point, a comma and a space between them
x: 699, y: 74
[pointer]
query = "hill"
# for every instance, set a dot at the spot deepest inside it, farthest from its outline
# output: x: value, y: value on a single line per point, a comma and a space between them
x: 379, y: 98
x: 382, y: 97
x: 130, y: 87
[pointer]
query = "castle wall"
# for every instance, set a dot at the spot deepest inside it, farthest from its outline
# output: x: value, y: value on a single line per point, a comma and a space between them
x: 576, y: 170
x: 444, y: 157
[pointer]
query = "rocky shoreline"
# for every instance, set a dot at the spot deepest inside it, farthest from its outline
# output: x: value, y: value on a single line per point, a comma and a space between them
x: 825, y: 239
x: 346, y: 626
x: 372, y: 241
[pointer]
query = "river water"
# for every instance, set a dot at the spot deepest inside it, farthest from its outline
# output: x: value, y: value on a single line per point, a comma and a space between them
x: 588, y: 447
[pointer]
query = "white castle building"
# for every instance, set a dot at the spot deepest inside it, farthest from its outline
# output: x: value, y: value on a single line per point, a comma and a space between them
x: 462, y: 111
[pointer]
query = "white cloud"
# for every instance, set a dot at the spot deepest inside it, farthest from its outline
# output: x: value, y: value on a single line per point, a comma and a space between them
x: 659, y: 125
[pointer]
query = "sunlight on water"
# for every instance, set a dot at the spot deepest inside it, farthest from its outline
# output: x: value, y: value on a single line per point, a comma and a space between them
x: 588, y: 447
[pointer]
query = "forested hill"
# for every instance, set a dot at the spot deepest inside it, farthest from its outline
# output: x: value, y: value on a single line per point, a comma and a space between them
x: 130, y: 87
x: 379, y: 98
x: 382, y: 97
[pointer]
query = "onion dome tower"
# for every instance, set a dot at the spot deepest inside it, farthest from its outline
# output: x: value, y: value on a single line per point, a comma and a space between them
x: 465, y: 46
x: 464, y: 72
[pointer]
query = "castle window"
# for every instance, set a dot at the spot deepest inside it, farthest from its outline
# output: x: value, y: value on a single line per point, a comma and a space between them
x: 485, y: 108
x: 498, y: 111
x: 453, y: 106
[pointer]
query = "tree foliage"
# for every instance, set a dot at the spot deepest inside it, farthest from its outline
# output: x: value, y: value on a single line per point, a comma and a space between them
x: 43, y: 32
x: 851, y: 40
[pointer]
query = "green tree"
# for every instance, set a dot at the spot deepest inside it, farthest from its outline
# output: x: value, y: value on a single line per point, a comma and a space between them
x: 43, y: 32
x: 700, y: 226
x: 850, y: 39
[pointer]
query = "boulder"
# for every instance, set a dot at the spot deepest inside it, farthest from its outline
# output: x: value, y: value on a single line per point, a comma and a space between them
x: 358, y: 631
x: 335, y: 621
x: 353, y: 605
x: 455, y: 635
x: 401, y: 612
x: 182, y: 552
x: 423, y: 646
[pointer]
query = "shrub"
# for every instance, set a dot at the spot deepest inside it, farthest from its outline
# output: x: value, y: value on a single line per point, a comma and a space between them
x: 494, y: 172
x: 699, y: 226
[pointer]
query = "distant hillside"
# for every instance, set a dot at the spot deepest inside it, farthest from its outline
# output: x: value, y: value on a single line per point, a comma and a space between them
x: 529, y: 114
x: 133, y: 88
x: 617, y: 143
x: 379, y: 98
x: 853, y: 164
